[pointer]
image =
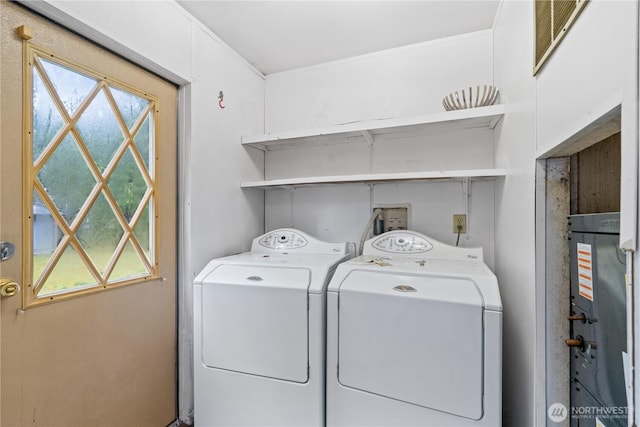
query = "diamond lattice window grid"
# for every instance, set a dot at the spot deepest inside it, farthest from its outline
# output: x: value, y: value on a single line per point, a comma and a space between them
x: 91, y: 191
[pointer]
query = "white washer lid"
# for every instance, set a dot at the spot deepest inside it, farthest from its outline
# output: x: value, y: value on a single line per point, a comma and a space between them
x: 264, y: 276
x: 418, y: 339
x: 477, y: 272
x: 255, y: 321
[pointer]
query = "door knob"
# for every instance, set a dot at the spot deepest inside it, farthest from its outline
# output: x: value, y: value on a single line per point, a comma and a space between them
x: 8, y: 287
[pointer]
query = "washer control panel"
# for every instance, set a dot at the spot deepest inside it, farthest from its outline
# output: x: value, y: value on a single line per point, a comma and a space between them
x: 283, y: 240
x: 401, y: 243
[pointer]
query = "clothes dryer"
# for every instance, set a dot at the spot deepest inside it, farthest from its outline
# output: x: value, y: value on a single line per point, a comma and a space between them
x: 259, y: 332
x: 414, y: 336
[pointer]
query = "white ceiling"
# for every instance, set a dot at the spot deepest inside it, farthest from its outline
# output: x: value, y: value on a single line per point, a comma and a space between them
x: 279, y: 35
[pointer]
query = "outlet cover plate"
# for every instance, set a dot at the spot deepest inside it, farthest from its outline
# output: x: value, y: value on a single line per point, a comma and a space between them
x: 460, y: 220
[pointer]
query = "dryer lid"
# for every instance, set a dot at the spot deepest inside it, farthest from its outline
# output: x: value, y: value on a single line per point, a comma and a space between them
x: 418, y: 339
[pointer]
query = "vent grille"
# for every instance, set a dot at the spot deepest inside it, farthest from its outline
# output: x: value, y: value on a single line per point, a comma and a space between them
x: 562, y: 11
x: 543, y: 28
x: 553, y: 20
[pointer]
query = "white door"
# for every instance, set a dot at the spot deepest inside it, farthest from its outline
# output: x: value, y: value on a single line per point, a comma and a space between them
x: 87, y: 196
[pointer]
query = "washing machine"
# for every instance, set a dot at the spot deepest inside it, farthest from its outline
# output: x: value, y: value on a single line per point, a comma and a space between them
x: 259, y: 332
x: 414, y: 336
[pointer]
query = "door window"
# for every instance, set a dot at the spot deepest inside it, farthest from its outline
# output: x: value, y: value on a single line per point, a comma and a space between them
x: 91, y: 192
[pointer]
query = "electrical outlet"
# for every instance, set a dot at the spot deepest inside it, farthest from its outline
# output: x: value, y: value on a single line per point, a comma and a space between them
x: 459, y: 223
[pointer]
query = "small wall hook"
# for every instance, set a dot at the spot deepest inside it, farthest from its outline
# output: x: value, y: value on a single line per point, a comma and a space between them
x: 220, y: 99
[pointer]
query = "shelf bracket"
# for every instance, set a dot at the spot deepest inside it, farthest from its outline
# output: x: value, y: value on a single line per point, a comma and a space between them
x: 367, y: 135
x: 466, y: 200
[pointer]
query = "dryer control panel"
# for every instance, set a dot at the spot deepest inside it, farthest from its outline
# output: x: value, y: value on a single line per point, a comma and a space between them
x: 282, y: 240
x: 412, y: 244
x: 290, y: 241
x: 402, y: 243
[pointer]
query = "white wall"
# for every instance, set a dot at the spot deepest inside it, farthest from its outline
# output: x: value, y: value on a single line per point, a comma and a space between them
x: 515, y: 208
x: 217, y: 217
x: 224, y: 219
x: 400, y: 82
x: 340, y: 213
x: 589, y: 69
x: 593, y: 70
x: 465, y: 149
